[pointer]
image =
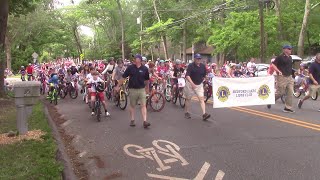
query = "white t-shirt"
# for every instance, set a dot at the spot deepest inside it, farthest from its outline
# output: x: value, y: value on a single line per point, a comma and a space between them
x: 92, y: 81
x: 250, y: 66
x: 109, y: 68
x: 89, y: 76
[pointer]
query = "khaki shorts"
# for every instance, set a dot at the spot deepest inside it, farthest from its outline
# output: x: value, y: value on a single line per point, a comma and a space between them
x: 189, y: 92
x: 137, y: 95
x: 313, y: 90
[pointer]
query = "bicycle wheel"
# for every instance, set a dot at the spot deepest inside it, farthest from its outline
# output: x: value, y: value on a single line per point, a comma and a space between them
x: 98, y: 110
x: 182, y: 100
x: 63, y: 92
x: 296, y: 91
x: 157, y: 101
x: 315, y: 97
x: 167, y: 93
x: 123, y: 100
x: 55, y: 95
x: 175, y: 96
x: 73, y: 93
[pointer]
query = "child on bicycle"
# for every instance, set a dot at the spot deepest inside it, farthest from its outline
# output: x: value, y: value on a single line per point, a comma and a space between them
x: 96, y: 85
x: 53, y: 83
x: 22, y: 71
x: 117, y: 73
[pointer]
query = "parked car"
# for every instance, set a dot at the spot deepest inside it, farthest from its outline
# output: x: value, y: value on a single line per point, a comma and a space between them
x: 261, y: 70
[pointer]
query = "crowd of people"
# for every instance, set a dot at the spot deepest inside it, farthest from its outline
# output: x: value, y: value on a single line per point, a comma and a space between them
x: 92, y: 77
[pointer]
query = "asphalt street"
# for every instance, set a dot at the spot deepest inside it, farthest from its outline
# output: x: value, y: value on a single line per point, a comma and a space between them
x: 236, y: 143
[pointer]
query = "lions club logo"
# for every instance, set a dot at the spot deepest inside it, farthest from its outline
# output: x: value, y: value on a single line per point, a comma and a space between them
x: 264, y: 92
x: 223, y: 93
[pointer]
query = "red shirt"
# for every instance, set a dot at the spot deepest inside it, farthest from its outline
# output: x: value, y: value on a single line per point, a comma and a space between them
x: 29, y: 69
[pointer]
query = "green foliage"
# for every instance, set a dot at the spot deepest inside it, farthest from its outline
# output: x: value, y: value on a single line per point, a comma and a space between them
x: 233, y: 29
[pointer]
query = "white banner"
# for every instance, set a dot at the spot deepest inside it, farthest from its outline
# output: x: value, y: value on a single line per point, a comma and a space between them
x: 230, y: 92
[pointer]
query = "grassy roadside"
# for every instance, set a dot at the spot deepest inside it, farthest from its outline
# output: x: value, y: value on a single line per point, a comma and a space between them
x: 29, y: 159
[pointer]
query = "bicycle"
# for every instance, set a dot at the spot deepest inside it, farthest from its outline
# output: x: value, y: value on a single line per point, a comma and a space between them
x: 207, y: 89
x: 54, y: 94
x: 69, y: 89
x: 97, y: 108
x: 121, y: 98
x: 155, y: 98
x: 167, y: 90
x: 178, y: 93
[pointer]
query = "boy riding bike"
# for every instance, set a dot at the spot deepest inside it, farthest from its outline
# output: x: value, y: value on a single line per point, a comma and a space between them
x: 95, y: 84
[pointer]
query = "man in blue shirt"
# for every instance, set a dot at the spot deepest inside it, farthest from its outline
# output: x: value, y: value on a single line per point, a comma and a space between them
x: 314, y: 74
x: 138, y: 87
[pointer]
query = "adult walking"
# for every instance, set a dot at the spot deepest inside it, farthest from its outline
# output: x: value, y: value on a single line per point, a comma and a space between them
x: 314, y: 74
x: 196, y: 72
x: 138, y: 87
x: 283, y: 66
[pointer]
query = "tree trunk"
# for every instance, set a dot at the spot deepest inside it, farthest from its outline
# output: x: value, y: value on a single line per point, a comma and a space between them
x: 163, y: 37
x: 262, y: 33
x: 4, y: 11
x: 122, y: 28
x: 184, y: 43
x: 303, y: 29
x: 8, y: 52
x: 77, y: 39
x: 278, y: 14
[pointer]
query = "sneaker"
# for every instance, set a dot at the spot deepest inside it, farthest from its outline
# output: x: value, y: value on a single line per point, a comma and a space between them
x: 146, y: 124
x: 107, y: 114
x: 286, y: 110
x: 205, y: 116
x: 132, y: 123
x: 187, y: 115
x: 92, y: 113
x: 269, y: 106
x: 300, y: 103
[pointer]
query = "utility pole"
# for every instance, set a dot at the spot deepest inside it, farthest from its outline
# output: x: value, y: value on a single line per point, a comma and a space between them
x: 141, y: 28
x: 262, y: 38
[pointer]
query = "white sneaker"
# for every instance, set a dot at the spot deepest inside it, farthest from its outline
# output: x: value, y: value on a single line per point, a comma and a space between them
x: 107, y: 114
x: 92, y: 113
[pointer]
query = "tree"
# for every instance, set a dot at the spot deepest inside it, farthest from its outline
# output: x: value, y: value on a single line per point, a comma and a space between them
x: 4, y: 12
x: 303, y: 28
x: 122, y: 29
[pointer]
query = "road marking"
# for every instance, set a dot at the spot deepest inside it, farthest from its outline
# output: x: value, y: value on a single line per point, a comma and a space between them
x: 274, y: 117
x: 279, y: 118
x: 203, y: 171
x: 220, y: 175
x: 200, y: 176
x: 170, y: 150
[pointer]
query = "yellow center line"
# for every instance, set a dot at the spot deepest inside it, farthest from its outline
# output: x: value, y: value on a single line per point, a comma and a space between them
x: 274, y: 117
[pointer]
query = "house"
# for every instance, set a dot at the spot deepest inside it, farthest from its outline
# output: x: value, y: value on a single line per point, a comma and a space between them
x: 205, y: 51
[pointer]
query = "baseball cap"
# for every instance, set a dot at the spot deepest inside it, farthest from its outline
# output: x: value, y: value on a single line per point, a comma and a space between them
x: 287, y: 46
x: 197, y: 56
x: 138, y: 56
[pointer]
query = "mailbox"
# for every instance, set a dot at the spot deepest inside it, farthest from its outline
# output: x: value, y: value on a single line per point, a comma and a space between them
x: 27, y: 94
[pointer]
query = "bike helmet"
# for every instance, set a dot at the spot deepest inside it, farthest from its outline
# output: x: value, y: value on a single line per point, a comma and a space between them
x: 55, y: 77
x: 167, y: 60
x: 100, y: 87
x: 178, y: 61
x: 213, y: 65
x: 161, y: 61
x: 22, y: 67
x: 144, y: 59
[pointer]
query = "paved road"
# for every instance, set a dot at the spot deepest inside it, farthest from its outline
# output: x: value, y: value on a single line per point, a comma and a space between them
x: 236, y: 143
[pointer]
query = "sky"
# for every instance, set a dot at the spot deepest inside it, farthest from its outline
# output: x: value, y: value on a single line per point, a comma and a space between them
x: 83, y: 29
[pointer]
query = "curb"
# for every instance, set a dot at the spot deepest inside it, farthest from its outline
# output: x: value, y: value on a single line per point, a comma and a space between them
x: 62, y: 156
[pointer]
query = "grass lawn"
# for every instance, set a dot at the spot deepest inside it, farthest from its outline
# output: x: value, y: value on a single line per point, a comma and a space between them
x: 28, y: 159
